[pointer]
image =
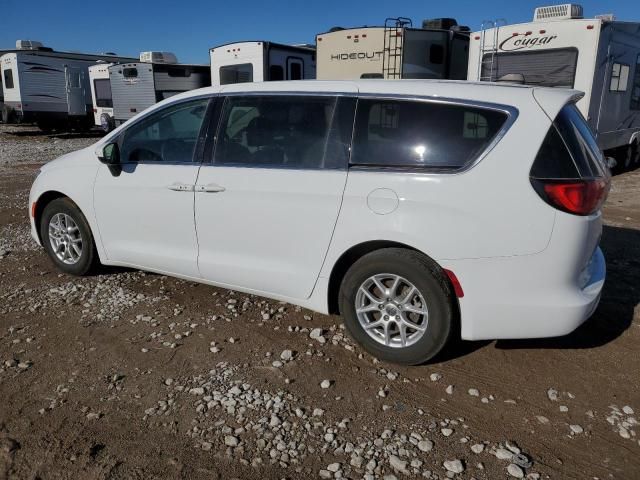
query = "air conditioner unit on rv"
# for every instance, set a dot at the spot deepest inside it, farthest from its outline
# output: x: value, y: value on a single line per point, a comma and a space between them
x: 158, y: 57
x: 28, y: 45
x: 558, y: 12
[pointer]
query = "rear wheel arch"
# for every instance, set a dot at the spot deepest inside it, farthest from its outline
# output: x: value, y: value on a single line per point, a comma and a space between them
x: 353, y: 254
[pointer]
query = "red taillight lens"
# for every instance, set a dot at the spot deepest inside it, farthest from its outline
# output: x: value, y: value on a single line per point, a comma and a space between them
x: 579, y: 197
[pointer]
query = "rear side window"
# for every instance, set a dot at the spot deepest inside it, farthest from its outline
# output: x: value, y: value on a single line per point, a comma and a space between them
x: 102, y: 87
x: 569, y: 151
x: 411, y: 134
x: 8, y: 78
x: 236, y: 74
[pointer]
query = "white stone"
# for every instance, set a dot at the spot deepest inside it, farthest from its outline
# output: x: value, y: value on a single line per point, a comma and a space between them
x: 515, y: 471
x: 425, y: 445
x: 325, y: 384
x: 454, y: 466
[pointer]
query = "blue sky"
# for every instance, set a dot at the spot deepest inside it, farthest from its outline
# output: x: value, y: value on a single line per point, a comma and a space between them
x: 190, y: 28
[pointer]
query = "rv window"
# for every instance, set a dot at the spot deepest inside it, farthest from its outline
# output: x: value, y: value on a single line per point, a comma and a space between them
x: 169, y: 135
x: 179, y: 72
x: 8, y: 78
x: 130, y: 72
x: 102, y: 87
x: 275, y: 132
x: 546, y: 68
x: 407, y: 134
x: 635, y: 88
x: 619, y: 77
x: 276, y: 72
x: 236, y: 74
x: 295, y: 71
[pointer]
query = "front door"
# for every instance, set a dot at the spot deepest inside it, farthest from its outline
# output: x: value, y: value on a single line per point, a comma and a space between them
x: 76, y: 103
x: 145, y: 212
x: 267, y: 205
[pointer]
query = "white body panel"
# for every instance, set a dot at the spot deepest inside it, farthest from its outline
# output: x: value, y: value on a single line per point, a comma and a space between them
x: 262, y: 56
x: 272, y: 232
x: 598, y: 44
x: 99, y: 71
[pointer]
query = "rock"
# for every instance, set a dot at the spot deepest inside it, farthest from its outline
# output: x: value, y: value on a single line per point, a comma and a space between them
x: 286, y: 355
x: 317, y: 412
x: 276, y: 363
x: 316, y: 334
x: 542, y: 420
x: 474, y: 392
x: 477, y: 448
x: 503, y: 454
x: 627, y: 410
x: 515, y: 471
x: 446, y: 432
x: 449, y: 390
x: 564, y: 408
x: 334, y: 467
x: 435, y: 377
x: 231, y: 441
x: 325, y: 384
x: 454, y: 466
x: 197, y: 391
x: 398, y: 464
x: 425, y: 445
x: 576, y: 429
x: 552, y: 394
x: 325, y: 474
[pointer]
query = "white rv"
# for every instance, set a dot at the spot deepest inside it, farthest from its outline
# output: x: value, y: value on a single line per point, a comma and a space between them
x: 136, y: 86
x: 261, y: 61
x: 437, y: 50
x: 101, y: 96
x: 48, y: 87
x: 560, y: 48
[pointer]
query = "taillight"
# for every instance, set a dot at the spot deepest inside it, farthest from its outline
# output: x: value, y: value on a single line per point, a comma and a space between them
x: 578, y: 197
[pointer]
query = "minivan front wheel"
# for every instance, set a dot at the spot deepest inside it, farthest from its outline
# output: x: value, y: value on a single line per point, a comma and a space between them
x: 397, y: 304
x: 67, y: 238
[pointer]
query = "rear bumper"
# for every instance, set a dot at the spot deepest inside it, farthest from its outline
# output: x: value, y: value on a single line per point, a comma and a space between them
x: 526, y: 297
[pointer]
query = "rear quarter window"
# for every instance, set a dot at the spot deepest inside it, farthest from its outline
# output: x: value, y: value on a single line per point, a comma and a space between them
x: 414, y: 134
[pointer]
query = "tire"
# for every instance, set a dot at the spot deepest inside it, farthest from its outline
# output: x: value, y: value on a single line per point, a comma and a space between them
x: 430, y: 282
x: 73, y: 263
x: 628, y: 156
x: 45, y: 126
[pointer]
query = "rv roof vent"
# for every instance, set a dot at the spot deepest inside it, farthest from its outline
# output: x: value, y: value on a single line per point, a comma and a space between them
x: 607, y: 17
x: 158, y: 57
x: 439, y: 23
x: 28, y: 45
x: 558, y: 12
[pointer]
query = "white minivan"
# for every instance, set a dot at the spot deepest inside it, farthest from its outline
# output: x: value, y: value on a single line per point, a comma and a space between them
x: 420, y: 210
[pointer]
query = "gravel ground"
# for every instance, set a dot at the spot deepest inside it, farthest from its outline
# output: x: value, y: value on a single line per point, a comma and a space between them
x: 134, y: 375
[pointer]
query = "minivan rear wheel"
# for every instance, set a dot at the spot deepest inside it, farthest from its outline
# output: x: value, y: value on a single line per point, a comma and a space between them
x: 67, y: 238
x: 398, y: 305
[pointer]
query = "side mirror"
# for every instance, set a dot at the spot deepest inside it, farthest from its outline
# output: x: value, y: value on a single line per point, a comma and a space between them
x: 110, y: 154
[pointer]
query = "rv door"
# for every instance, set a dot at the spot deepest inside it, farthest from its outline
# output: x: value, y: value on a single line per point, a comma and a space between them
x: 295, y: 68
x: 75, y: 91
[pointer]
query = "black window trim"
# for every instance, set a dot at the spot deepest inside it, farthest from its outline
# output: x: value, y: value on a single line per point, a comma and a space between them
x: 198, y: 151
x: 95, y: 91
x: 636, y: 80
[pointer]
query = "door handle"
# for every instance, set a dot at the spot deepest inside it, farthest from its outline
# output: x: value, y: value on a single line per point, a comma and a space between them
x: 210, y: 188
x: 180, y: 187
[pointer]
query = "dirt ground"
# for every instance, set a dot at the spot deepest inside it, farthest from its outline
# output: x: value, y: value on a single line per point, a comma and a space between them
x: 132, y: 375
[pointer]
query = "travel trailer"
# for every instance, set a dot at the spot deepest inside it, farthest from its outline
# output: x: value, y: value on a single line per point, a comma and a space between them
x: 261, y: 61
x: 437, y: 50
x: 599, y: 56
x: 101, y: 96
x: 158, y: 75
x: 48, y: 87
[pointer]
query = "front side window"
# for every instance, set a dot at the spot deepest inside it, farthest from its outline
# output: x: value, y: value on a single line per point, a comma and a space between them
x: 619, y: 77
x: 102, y: 87
x: 274, y: 132
x: 412, y: 134
x: 242, y: 73
x: 635, y: 87
x: 169, y: 135
x: 8, y: 78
